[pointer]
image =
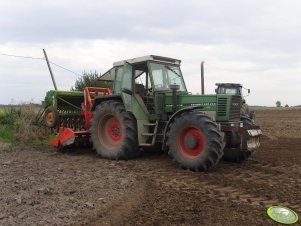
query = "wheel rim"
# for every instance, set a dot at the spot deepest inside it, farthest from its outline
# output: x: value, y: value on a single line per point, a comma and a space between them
x: 110, y: 131
x: 49, y: 118
x: 114, y: 130
x: 190, y: 142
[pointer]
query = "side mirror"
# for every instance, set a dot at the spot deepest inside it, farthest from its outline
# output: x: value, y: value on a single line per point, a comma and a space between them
x: 248, y: 91
x: 216, y: 90
x: 174, y: 87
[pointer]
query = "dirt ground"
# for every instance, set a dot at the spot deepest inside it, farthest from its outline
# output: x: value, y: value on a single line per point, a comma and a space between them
x: 44, y: 187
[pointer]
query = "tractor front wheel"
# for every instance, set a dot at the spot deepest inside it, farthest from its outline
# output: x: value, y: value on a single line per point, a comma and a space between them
x: 114, y: 131
x: 195, y: 141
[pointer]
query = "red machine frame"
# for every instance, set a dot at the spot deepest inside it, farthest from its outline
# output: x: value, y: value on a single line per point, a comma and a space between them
x: 88, y: 102
x: 67, y: 136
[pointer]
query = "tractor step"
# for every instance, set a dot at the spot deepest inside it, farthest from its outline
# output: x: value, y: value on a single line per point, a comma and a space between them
x: 146, y: 145
x: 152, y: 133
x: 147, y: 134
x: 150, y: 124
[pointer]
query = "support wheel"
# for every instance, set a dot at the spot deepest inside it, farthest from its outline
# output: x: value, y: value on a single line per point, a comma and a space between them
x: 114, y: 131
x: 195, y: 141
x: 51, y: 117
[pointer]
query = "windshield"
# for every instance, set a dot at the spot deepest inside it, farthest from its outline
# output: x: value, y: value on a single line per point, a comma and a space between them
x: 165, y: 75
x: 230, y: 90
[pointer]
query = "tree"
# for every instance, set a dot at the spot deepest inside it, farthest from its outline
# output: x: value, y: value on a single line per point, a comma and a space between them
x: 286, y: 106
x: 278, y: 104
x: 90, y: 79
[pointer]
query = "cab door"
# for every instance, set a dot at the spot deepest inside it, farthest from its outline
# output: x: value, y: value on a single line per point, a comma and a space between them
x: 127, y: 86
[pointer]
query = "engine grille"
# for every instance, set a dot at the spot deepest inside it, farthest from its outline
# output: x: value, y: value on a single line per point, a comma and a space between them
x: 235, y: 108
x: 222, y: 106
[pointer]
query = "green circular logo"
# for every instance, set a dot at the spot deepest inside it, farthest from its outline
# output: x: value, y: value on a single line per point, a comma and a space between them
x: 282, y: 214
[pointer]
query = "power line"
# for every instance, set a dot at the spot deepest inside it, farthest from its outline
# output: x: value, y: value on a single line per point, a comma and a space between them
x: 26, y: 57
x: 38, y: 58
x: 65, y: 68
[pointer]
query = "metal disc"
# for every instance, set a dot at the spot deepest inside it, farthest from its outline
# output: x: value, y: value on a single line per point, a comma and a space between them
x: 282, y: 214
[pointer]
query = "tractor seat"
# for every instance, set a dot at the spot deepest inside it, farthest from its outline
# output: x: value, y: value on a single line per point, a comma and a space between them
x: 140, y: 89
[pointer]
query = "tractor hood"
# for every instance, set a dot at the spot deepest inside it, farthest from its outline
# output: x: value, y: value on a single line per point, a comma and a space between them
x: 223, y: 107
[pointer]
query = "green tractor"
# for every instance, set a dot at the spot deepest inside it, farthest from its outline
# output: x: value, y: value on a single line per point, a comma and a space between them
x: 247, y: 115
x: 149, y: 106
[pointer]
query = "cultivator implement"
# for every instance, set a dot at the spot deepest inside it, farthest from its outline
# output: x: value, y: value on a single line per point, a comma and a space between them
x: 68, y: 114
x: 63, y: 109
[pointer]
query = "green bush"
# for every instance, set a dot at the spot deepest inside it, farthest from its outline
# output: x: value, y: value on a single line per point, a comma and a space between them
x: 16, y: 126
x: 7, y: 134
x: 90, y: 79
x: 9, y: 115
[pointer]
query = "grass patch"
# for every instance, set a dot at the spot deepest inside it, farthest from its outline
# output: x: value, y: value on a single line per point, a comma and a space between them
x: 7, y: 134
x: 16, y: 127
x: 39, y: 143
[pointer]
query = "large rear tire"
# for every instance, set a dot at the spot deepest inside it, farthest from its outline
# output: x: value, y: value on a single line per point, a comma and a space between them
x: 195, y: 141
x: 235, y: 154
x: 114, y: 131
x: 247, y: 120
x: 245, y: 112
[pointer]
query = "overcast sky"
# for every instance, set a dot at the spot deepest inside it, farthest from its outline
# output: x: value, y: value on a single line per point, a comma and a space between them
x: 253, y: 42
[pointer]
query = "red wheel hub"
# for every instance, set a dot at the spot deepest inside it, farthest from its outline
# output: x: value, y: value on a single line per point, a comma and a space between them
x: 114, y: 130
x: 190, y: 142
x: 110, y: 131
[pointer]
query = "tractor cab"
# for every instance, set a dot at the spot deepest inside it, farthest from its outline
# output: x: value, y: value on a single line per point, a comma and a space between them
x: 230, y: 88
x: 143, y: 79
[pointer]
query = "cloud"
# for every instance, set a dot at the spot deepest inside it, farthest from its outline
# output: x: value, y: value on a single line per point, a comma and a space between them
x: 251, y: 42
x: 224, y: 63
x: 258, y: 23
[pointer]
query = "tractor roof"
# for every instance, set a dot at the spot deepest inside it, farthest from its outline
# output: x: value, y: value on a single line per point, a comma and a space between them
x: 229, y: 84
x: 110, y: 74
x: 148, y: 58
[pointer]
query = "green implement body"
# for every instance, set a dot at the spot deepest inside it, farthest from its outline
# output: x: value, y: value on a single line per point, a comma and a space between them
x: 67, y: 105
x: 64, y: 101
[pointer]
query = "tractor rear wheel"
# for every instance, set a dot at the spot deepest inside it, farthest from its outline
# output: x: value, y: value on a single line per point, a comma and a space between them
x: 113, y: 131
x: 247, y: 120
x: 245, y: 112
x: 235, y: 154
x: 195, y: 141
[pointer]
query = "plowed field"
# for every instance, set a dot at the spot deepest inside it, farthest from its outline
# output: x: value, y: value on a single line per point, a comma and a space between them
x: 44, y: 187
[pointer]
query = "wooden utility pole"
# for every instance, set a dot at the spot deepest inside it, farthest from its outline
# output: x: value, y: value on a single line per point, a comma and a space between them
x: 49, y: 67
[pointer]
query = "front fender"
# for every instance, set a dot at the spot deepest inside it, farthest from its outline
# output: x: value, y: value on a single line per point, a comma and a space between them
x: 187, y: 109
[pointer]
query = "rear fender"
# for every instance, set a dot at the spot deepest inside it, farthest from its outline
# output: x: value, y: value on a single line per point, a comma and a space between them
x: 99, y: 100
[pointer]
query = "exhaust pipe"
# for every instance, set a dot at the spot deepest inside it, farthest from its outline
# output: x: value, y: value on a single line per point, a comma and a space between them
x: 174, y: 88
x: 202, y: 77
